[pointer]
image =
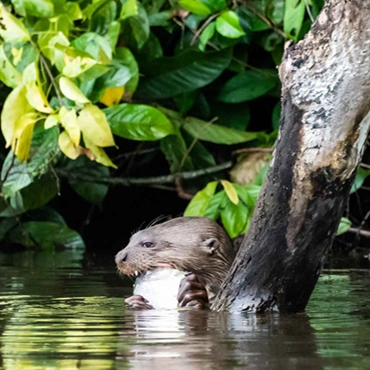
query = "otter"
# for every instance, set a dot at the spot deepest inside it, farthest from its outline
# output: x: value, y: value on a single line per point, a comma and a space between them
x: 197, y: 245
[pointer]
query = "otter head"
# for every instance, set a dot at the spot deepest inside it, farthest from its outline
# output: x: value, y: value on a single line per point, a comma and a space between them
x: 193, y: 244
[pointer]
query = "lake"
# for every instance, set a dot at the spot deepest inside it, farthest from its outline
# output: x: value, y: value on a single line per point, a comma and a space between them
x: 65, y: 310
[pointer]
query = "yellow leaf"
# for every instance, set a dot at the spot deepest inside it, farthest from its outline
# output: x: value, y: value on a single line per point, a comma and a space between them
x: 8, y: 74
x: 69, y: 122
x: 230, y: 191
x: 20, y: 125
x: 76, y: 62
x: 34, y: 93
x: 112, y: 96
x: 17, y: 55
x: 71, y: 91
x: 99, y: 153
x: 15, y: 106
x: 67, y: 147
x: 23, y: 144
x: 11, y: 28
x: 51, y: 121
x: 95, y: 127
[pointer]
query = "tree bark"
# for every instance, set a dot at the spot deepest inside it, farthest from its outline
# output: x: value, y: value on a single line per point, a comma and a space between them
x: 324, y: 125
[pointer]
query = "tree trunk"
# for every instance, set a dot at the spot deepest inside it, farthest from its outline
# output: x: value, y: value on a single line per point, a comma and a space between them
x: 324, y: 126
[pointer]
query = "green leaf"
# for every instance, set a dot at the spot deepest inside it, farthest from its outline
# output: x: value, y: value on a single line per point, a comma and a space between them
x: 361, y: 176
x: 47, y: 235
x: 11, y: 28
x: 227, y: 24
x: 129, y: 9
x: 195, y: 6
x: 90, y: 10
x: 93, y: 193
x: 113, y: 33
x: 251, y: 21
x: 217, y: 134
x: 248, y: 86
x: 138, y: 122
x: 124, y: 71
x: 176, y: 152
x: 293, y: 17
x: 95, y: 45
x: 215, y: 204
x: 234, y: 218
x: 206, y: 35
x: 136, y: 29
x: 236, y: 116
x: 37, y: 8
x: 44, y: 149
x: 33, y: 196
x: 47, y: 214
x: 344, y: 226
x: 170, y: 76
x: 200, y: 202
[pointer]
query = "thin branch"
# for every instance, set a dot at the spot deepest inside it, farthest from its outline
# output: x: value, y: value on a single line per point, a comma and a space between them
x: 52, y: 79
x: 364, y: 165
x: 202, y: 28
x: 126, y: 181
x: 252, y: 150
x: 360, y: 232
x: 309, y: 11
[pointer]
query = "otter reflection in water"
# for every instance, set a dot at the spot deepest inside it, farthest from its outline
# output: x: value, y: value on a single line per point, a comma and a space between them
x: 196, y: 245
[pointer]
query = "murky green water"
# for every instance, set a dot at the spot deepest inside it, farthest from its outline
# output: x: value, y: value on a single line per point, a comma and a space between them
x: 58, y: 312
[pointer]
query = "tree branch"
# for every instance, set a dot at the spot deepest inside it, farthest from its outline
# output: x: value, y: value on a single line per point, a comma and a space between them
x: 127, y: 181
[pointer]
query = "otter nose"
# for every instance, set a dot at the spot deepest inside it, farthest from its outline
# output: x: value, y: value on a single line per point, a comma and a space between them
x: 121, y: 257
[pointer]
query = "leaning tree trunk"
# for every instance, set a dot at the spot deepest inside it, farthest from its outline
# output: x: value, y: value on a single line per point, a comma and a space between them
x: 324, y: 126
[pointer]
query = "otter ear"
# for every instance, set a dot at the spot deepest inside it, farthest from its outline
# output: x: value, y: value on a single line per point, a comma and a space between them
x: 212, y: 244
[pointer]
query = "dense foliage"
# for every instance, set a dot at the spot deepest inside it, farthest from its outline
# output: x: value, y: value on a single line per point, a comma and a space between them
x: 195, y: 81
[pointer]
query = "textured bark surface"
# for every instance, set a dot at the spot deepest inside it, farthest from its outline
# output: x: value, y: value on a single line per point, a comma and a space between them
x: 324, y: 126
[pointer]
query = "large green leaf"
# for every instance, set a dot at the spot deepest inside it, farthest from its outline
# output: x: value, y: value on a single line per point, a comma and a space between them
x: 46, y: 235
x: 37, y: 8
x: 248, y: 86
x: 293, y: 17
x: 199, y: 204
x: 170, y: 76
x: 217, y: 134
x: 44, y: 149
x: 93, y: 193
x: 138, y: 122
x: 35, y: 195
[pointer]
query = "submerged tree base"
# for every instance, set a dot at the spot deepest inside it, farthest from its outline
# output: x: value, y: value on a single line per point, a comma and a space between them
x: 324, y: 126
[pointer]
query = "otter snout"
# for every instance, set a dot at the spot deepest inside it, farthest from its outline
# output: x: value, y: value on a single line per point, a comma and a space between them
x: 121, y: 257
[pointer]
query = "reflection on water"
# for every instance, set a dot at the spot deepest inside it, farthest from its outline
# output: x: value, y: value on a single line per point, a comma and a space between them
x: 58, y: 311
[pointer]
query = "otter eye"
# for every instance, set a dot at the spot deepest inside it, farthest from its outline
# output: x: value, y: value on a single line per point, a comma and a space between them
x: 148, y: 244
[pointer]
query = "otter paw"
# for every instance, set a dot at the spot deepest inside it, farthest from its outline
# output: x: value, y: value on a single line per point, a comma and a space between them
x: 192, y: 293
x: 137, y: 302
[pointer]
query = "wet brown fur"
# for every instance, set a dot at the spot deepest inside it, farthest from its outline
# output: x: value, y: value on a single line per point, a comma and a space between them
x: 193, y: 244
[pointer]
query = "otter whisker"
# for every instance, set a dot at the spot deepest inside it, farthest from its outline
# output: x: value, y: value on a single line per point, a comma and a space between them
x: 156, y: 220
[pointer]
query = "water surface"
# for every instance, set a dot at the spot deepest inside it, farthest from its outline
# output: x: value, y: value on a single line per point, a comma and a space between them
x: 60, y: 311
